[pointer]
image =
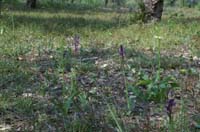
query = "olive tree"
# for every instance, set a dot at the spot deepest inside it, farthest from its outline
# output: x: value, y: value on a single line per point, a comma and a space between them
x: 153, y: 9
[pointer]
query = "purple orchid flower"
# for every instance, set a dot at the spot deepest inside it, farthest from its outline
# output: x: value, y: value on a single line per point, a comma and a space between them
x: 170, y: 104
x: 122, y: 51
x: 76, y: 43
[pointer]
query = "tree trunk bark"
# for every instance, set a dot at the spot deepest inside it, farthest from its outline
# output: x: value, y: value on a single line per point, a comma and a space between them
x: 106, y: 2
x: 31, y: 3
x: 153, y: 9
x: 0, y: 6
x: 172, y: 2
x: 191, y: 3
x: 118, y: 2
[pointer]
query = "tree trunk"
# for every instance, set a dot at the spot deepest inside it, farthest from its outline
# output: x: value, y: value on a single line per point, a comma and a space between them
x: 106, y: 2
x: 31, y: 3
x: 172, y: 2
x: 153, y: 9
x: 191, y: 3
x: 0, y: 6
x: 118, y: 2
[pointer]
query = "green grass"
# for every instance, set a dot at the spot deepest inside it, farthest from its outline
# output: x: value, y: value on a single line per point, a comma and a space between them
x: 43, y: 90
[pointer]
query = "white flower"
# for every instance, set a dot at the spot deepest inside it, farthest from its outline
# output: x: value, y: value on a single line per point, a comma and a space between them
x: 158, y: 37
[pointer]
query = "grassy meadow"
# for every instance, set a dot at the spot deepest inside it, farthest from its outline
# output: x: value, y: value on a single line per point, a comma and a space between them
x: 60, y: 70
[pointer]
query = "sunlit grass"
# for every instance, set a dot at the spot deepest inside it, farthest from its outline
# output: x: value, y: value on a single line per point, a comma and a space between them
x: 95, y: 27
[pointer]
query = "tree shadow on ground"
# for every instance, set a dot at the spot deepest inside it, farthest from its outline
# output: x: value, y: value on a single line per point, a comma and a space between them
x: 54, y: 7
x: 187, y: 21
x: 59, y: 24
x: 182, y: 20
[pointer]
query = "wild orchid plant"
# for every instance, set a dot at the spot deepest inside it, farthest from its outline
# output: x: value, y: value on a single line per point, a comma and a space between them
x: 169, y: 107
x: 122, y: 55
x: 76, y: 44
x: 122, y: 52
x: 67, y: 60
